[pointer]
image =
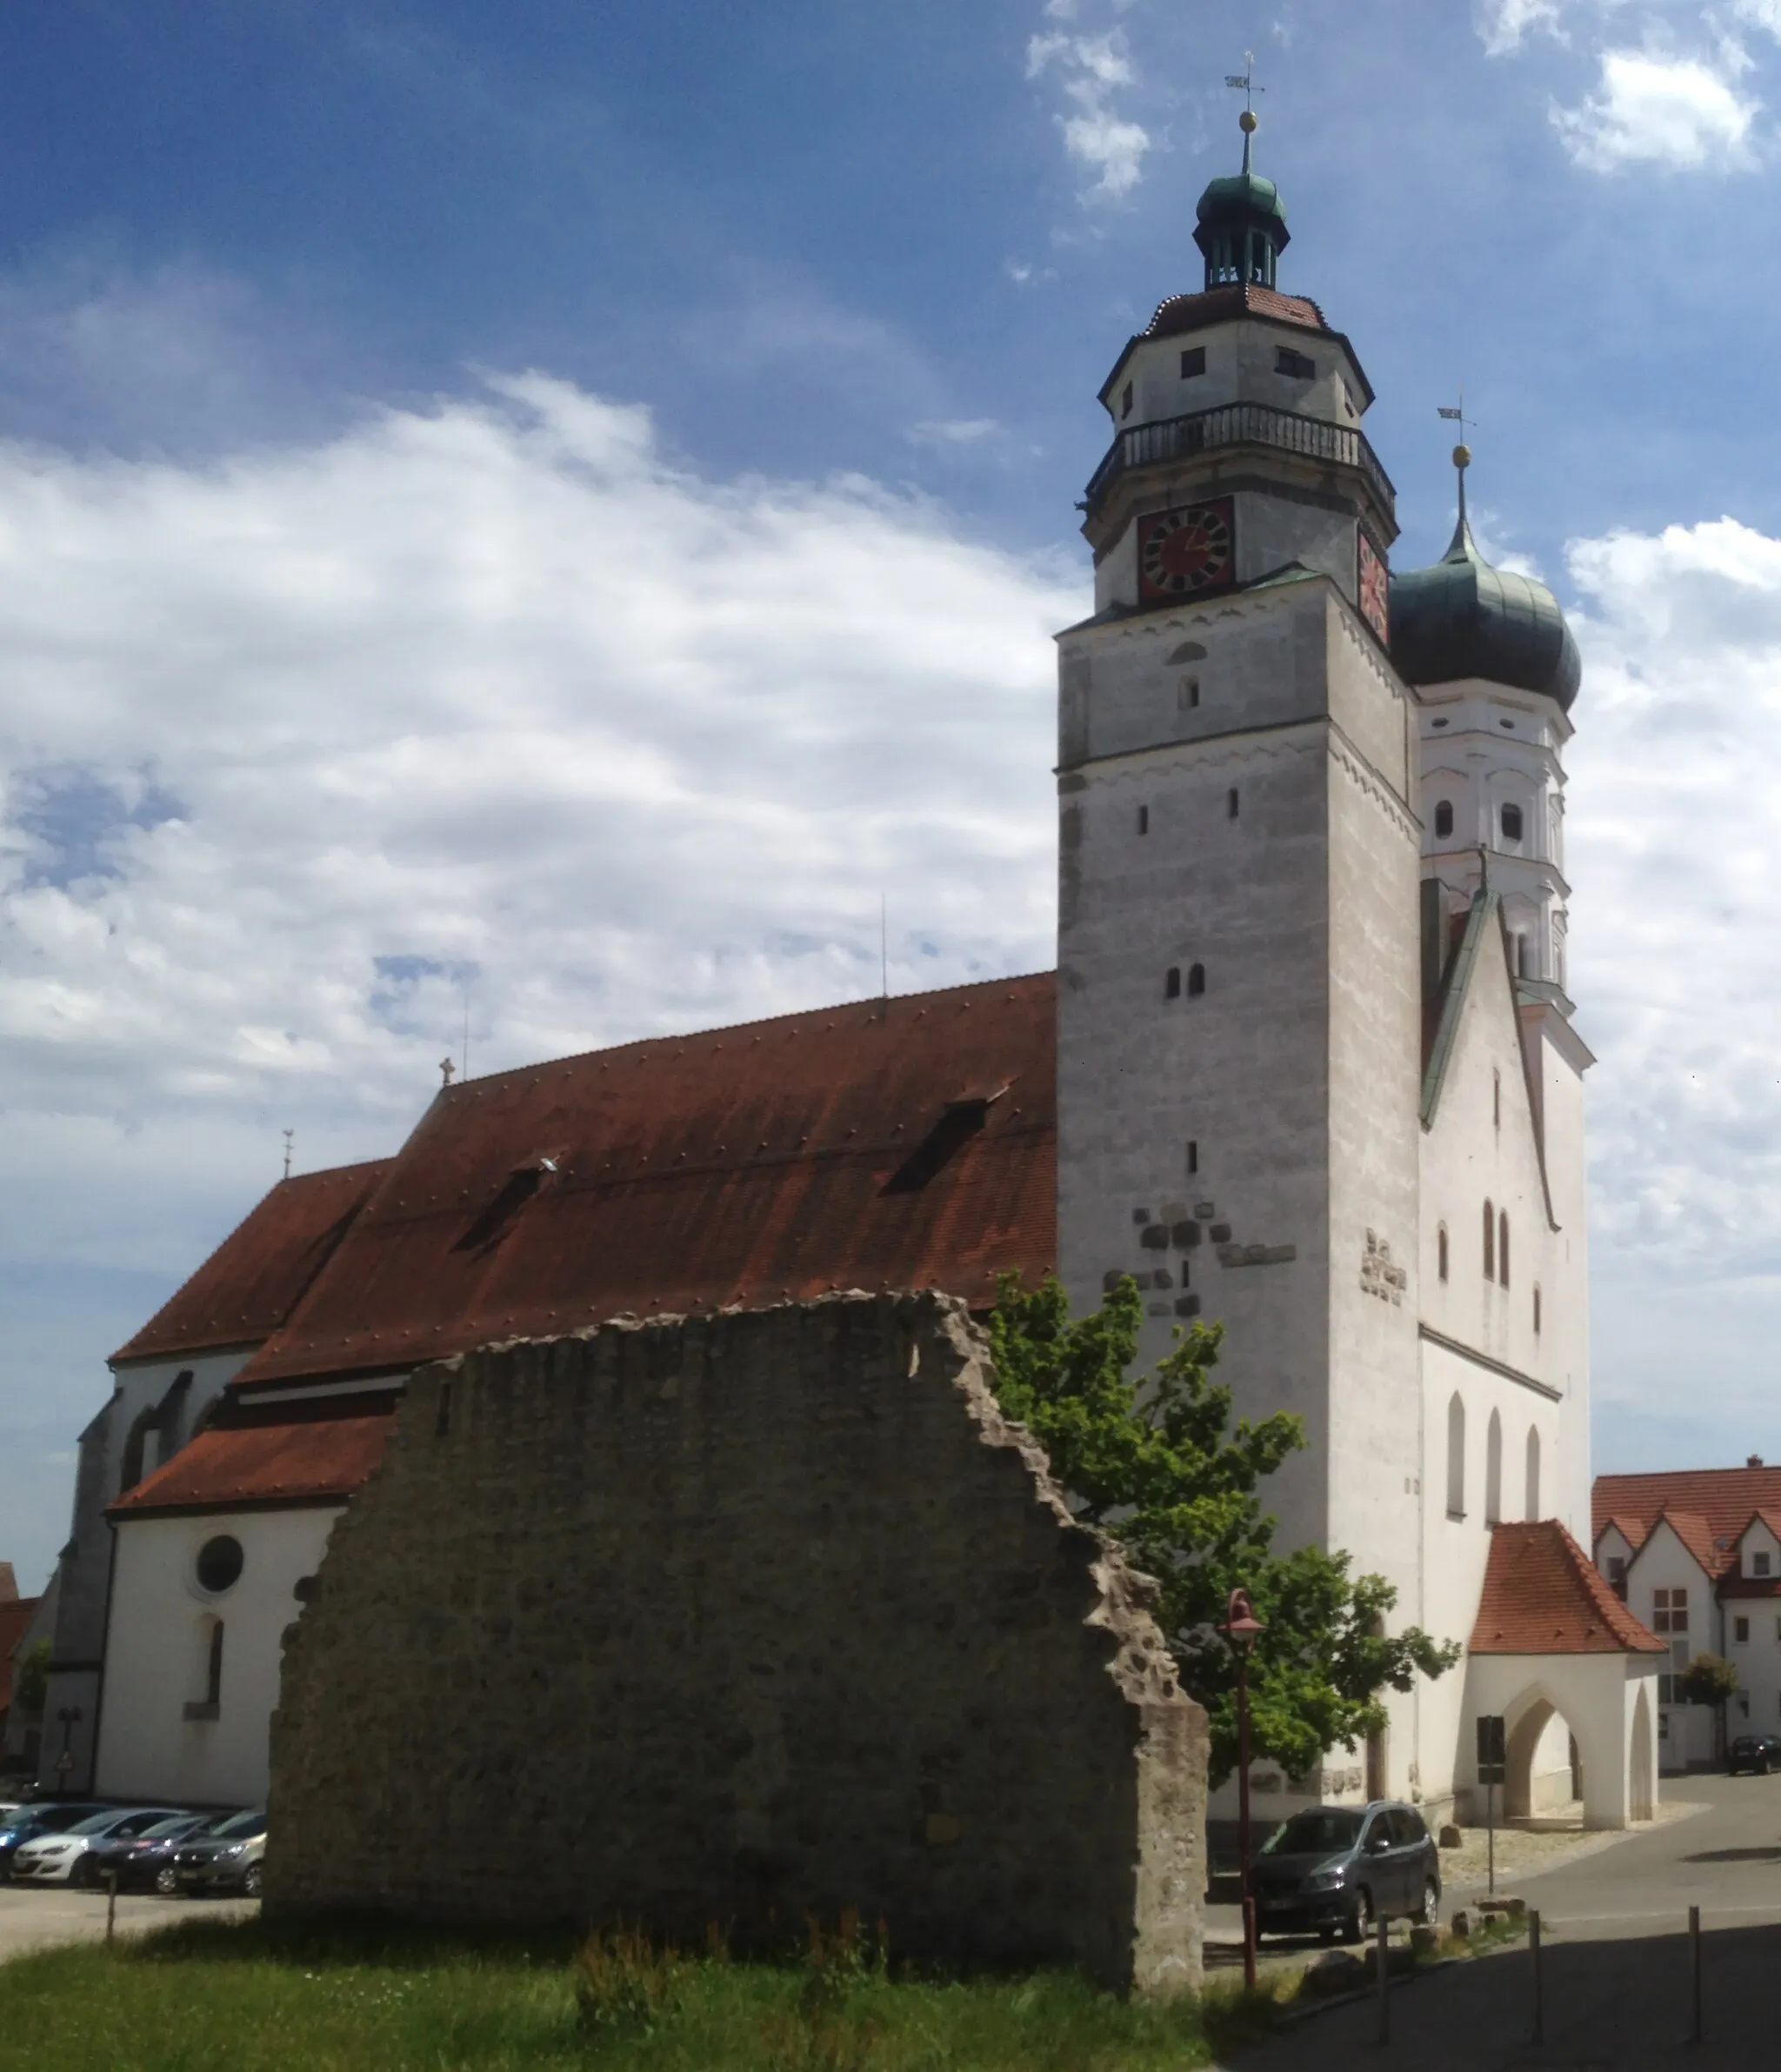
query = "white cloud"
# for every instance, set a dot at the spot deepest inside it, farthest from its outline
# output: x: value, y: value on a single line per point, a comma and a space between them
x: 1505, y: 24
x: 1108, y: 144
x: 954, y: 432
x: 1655, y: 109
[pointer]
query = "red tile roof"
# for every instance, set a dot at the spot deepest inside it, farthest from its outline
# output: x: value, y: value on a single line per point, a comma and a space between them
x: 1723, y: 1499
x: 299, y: 1453
x: 1696, y: 1534
x: 1543, y: 1596
x: 901, y: 1144
x: 1218, y: 305
x: 909, y: 1143
x: 250, y: 1283
x: 14, y: 1616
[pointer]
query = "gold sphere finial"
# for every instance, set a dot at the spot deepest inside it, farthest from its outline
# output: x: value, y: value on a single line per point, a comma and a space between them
x: 1462, y: 457
x: 1247, y: 122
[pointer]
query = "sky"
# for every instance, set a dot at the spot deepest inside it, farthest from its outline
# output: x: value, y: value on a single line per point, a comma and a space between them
x: 538, y: 518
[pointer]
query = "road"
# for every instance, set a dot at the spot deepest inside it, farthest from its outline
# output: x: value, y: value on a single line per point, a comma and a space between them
x: 1616, y: 1964
x: 33, y: 1916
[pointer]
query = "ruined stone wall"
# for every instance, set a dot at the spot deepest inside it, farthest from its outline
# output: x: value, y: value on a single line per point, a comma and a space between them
x: 727, y: 1619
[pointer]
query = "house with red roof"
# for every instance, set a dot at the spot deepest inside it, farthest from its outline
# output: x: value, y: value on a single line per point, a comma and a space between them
x: 1697, y: 1554
x: 1307, y: 1066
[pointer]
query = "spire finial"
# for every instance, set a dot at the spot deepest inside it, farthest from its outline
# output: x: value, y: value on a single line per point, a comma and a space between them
x: 1248, y: 122
x: 1462, y: 460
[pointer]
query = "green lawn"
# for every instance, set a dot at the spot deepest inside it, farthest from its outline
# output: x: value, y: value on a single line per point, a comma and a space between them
x: 221, y: 1996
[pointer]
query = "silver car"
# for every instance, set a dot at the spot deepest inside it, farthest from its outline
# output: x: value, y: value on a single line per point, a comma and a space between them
x: 55, y: 1859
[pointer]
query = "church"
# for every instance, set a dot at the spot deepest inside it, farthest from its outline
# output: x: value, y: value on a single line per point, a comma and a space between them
x: 1307, y: 1066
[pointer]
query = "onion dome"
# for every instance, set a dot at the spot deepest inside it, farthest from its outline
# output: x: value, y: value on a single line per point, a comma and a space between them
x: 1241, y: 223
x: 1464, y: 618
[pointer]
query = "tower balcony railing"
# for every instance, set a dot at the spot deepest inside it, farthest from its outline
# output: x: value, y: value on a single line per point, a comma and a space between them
x: 1240, y: 424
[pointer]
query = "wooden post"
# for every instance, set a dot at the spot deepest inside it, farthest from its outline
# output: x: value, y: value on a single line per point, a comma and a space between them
x: 111, y: 1905
x: 1533, y: 1944
x: 1694, y: 1957
x: 1380, y: 1951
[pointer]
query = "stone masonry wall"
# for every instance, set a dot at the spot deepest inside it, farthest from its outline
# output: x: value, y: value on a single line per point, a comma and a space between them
x: 728, y: 1620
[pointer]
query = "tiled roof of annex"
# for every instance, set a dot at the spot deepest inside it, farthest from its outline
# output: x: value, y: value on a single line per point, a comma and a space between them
x: 1722, y: 1500
x: 901, y: 1143
x: 248, y: 1460
x: 254, y: 1278
x: 1543, y: 1596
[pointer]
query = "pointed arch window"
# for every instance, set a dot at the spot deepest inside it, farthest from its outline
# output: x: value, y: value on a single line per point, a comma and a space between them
x: 1536, y: 1308
x: 1441, y: 1251
x: 1455, y: 1455
x: 1503, y: 1249
x: 1443, y: 819
x: 1489, y: 1241
x: 1196, y: 980
x: 1532, y: 1507
x: 1493, y: 1470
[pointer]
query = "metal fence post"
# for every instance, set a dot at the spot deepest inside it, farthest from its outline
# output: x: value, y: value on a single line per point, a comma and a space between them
x: 1694, y: 1955
x: 1379, y: 1953
x: 1533, y: 1945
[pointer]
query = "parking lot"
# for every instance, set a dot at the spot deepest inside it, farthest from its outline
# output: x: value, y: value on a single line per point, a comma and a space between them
x: 33, y: 1916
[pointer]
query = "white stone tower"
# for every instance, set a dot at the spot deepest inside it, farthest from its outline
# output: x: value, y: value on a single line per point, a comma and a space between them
x: 1240, y: 999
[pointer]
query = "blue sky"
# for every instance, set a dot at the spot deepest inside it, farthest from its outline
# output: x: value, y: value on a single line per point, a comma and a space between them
x: 569, y: 503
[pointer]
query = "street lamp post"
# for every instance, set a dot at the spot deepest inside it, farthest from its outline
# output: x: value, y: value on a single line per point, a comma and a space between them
x: 1243, y: 1629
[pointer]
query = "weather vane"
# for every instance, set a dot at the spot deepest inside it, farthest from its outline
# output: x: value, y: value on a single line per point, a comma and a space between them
x: 288, y: 1135
x: 1454, y: 414
x: 1246, y: 81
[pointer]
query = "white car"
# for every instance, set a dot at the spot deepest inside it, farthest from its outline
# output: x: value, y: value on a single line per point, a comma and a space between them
x: 55, y: 1859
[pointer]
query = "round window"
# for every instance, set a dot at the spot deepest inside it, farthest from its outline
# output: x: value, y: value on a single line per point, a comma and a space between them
x: 219, y: 1563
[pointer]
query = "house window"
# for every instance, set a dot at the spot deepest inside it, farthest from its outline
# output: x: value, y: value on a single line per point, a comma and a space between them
x: 1441, y: 1251
x: 1531, y: 1509
x: 1125, y: 401
x: 1143, y: 820
x: 1667, y: 1680
x: 1759, y: 1564
x: 1455, y: 1457
x: 1489, y: 1241
x: 1536, y: 1308
x: 1193, y: 362
x: 1286, y: 360
x: 1512, y: 823
x: 1230, y: 804
x: 1670, y: 1611
x: 1171, y: 984
x: 1196, y: 980
x: 1188, y: 697
x: 1443, y: 819
x: 1503, y: 1249
x: 1493, y: 1470
x: 1740, y: 1632
x: 1617, y: 1575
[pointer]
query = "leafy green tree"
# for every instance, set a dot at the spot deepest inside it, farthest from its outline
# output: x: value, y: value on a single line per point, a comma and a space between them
x: 30, y: 1681
x: 1710, y: 1680
x: 1159, y: 1467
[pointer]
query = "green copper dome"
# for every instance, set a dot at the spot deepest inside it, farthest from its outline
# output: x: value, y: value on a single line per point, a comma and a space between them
x: 1464, y: 618
x: 1243, y: 198
x: 1240, y: 224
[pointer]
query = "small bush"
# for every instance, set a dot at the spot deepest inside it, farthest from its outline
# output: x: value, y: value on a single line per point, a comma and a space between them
x: 623, y: 1984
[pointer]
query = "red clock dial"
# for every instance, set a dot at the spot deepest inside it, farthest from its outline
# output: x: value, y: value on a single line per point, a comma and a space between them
x: 1375, y: 589
x: 1182, y: 551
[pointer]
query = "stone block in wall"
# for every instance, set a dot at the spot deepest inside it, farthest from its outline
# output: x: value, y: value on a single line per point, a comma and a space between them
x: 731, y: 1619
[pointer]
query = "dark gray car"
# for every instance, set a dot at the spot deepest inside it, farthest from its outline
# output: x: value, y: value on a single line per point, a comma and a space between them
x: 1335, y: 1870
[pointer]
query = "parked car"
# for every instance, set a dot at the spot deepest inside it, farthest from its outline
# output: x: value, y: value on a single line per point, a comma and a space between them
x: 145, y: 1858
x: 1335, y: 1870
x: 55, y: 1859
x: 228, y: 1860
x: 52, y: 1817
x: 1757, y: 1752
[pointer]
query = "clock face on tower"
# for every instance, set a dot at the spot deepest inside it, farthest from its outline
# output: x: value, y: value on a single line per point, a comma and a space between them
x: 1375, y: 587
x: 1181, y: 553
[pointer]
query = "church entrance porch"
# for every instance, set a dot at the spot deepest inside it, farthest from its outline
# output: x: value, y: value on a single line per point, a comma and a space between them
x: 1580, y: 1737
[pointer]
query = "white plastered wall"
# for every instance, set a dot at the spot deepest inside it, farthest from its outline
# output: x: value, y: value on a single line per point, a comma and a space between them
x: 157, y: 1657
x: 1598, y: 1698
x: 1685, y: 1733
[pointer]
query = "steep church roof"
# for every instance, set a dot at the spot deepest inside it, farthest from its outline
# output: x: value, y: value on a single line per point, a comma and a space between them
x: 251, y: 1283
x: 1543, y: 1596
x: 901, y: 1143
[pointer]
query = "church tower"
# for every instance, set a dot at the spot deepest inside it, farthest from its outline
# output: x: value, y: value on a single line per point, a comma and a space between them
x: 1239, y: 1004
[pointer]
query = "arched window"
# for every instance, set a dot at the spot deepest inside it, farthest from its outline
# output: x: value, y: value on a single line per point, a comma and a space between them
x: 1496, y: 1098
x: 1493, y: 1470
x: 1532, y: 1509
x: 1172, y: 982
x: 1196, y: 980
x: 135, y: 1449
x: 1456, y: 1457
x: 1503, y: 1249
x: 213, y: 1667
x: 1511, y: 822
x: 1443, y: 819
x: 1536, y: 1308
x: 1490, y: 1242
x: 1441, y: 1251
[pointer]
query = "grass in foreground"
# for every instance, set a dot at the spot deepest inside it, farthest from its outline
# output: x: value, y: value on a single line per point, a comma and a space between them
x: 244, y: 1996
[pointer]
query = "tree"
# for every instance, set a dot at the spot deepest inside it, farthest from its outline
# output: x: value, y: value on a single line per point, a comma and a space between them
x: 1160, y: 1469
x: 1710, y: 1680
x: 31, y: 1684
